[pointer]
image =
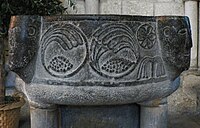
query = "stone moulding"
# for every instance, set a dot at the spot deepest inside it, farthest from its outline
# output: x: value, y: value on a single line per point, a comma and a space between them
x: 99, y: 59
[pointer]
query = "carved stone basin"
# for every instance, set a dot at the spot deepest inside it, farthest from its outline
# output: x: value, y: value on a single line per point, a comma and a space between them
x: 99, y: 59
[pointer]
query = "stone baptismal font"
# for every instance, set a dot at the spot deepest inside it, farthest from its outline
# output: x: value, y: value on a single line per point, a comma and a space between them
x: 99, y: 71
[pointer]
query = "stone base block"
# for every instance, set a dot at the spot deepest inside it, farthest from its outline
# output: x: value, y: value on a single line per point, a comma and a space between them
x: 121, y: 116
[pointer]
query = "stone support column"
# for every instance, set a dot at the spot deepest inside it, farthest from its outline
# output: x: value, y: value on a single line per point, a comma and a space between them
x: 91, y: 6
x: 2, y: 87
x: 191, y: 10
x: 198, y: 20
x: 153, y: 114
x: 44, y: 117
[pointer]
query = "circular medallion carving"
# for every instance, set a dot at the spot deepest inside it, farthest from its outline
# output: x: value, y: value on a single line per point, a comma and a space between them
x: 114, y: 52
x: 64, y: 50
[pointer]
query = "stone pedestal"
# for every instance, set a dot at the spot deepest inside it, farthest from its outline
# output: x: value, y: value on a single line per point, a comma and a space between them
x: 153, y: 115
x: 44, y: 117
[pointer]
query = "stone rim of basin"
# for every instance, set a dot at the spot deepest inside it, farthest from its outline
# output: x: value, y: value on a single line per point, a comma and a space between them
x: 99, y: 59
x: 43, y: 95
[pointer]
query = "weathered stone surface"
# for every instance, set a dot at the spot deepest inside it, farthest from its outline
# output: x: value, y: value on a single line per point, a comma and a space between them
x: 122, y: 116
x: 172, y: 38
x: 185, y: 99
x: 94, y: 60
x: 98, y: 60
x: 169, y: 9
x: 106, y: 8
x: 153, y: 117
x: 91, y: 6
x: 179, y: 1
x: 23, y: 45
x: 44, y: 118
x: 80, y: 5
x: 165, y: 1
x: 191, y: 10
x: 137, y: 8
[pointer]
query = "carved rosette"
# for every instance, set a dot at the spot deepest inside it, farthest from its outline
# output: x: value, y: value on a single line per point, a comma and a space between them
x: 114, y: 51
x: 146, y: 36
x: 63, y: 49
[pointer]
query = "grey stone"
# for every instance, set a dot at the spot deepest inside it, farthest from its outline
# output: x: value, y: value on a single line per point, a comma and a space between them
x: 98, y: 60
x: 138, y: 8
x: 118, y: 116
x: 44, y: 118
x: 91, y: 6
x: 153, y: 117
x: 172, y: 8
x: 185, y: 99
x: 111, y: 7
x: 80, y: 5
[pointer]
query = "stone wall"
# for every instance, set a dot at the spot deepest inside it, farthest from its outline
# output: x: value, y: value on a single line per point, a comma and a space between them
x: 186, y: 98
x: 137, y: 7
x: 142, y: 7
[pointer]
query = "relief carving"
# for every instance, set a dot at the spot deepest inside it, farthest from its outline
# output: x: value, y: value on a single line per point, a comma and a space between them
x: 151, y: 67
x: 146, y: 36
x: 176, y: 43
x: 63, y: 49
x: 23, y: 41
x: 113, y: 52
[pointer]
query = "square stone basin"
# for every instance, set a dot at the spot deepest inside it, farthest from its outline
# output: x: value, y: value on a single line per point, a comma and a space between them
x: 99, y: 59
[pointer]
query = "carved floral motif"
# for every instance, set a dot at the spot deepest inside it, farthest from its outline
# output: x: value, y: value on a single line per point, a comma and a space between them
x: 146, y: 36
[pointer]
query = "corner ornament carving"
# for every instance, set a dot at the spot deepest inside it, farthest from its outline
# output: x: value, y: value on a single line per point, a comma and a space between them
x: 23, y: 41
x: 176, y: 42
